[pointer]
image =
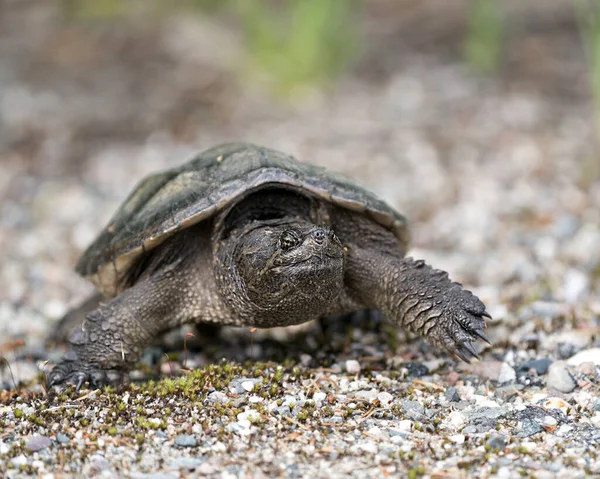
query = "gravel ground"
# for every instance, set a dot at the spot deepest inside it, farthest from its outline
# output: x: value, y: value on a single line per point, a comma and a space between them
x: 501, y: 182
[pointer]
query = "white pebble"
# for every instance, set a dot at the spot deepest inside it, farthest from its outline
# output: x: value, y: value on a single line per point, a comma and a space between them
x: 507, y: 374
x: 248, y: 385
x: 369, y: 447
x: 457, y: 419
x: 457, y: 438
x: 319, y: 397
x: 385, y: 398
x: 549, y: 421
x: 404, y: 425
x: 352, y: 366
x: 591, y: 355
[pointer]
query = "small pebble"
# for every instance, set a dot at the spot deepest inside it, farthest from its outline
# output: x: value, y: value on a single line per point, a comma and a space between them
x: 559, y: 378
x: 539, y: 365
x: 496, y: 442
x: 19, y: 460
x: 508, y: 392
x: 416, y: 370
x: 319, y: 397
x: 591, y: 355
x: 369, y: 447
x: 557, y: 403
x: 369, y: 395
x: 576, y: 285
x: 413, y: 409
x: 185, y: 440
x: 549, y: 421
x: 452, y: 394
x: 507, y: 374
x: 186, y: 463
x: 352, y: 366
x: 530, y: 427
x: 37, y: 443
x: 457, y: 419
x: 217, y: 397
x: 385, y: 398
x: 404, y: 425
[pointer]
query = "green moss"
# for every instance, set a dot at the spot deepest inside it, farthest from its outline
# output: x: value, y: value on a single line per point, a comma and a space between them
x: 416, y: 472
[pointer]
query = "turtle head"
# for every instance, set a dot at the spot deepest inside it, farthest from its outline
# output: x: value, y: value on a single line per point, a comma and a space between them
x: 294, y: 269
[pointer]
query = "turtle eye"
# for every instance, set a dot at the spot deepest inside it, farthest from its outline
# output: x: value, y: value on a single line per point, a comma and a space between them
x: 289, y: 239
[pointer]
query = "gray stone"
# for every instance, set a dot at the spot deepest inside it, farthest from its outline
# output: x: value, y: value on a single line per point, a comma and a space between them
x: 469, y: 430
x: 397, y: 432
x: 507, y: 392
x: 369, y: 395
x: 283, y: 410
x: 415, y: 370
x: 566, y: 350
x: 38, y: 443
x: 559, y: 378
x: 187, y: 463
x: 496, y: 442
x: 185, y: 440
x: 530, y: 427
x: 217, y: 397
x: 539, y: 365
x: 482, y: 424
x: 486, y: 412
x: 413, y: 409
x: 452, y: 394
x: 62, y: 438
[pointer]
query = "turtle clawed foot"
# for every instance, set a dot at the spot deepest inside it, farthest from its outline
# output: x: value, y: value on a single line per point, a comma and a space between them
x: 461, y: 325
x: 78, y: 373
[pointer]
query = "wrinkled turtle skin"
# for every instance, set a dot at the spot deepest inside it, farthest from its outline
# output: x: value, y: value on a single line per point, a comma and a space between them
x: 247, y: 236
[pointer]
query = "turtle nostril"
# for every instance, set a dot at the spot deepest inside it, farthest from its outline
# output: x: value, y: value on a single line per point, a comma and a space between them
x: 319, y: 236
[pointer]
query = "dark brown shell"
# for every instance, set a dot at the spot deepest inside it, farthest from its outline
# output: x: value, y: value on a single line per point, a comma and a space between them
x: 169, y: 201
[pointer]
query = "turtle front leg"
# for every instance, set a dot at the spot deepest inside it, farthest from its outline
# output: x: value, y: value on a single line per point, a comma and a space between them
x: 112, y: 338
x: 419, y: 298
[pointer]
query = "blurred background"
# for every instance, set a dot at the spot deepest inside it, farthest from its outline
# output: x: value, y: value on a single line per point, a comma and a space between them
x: 478, y: 119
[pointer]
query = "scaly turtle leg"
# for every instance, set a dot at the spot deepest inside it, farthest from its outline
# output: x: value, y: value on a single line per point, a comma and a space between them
x: 409, y: 292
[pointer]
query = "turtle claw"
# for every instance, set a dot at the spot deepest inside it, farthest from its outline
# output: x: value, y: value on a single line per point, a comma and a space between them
x: 460, y: 355
x: 78, y: 373
x: 469, y: 350
x: 480, y: 334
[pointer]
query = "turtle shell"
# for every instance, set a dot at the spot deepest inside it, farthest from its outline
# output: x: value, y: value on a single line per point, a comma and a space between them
x: 169, y: 201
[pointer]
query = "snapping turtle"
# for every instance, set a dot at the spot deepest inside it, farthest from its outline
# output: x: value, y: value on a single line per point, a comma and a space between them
x: 245, y: 235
